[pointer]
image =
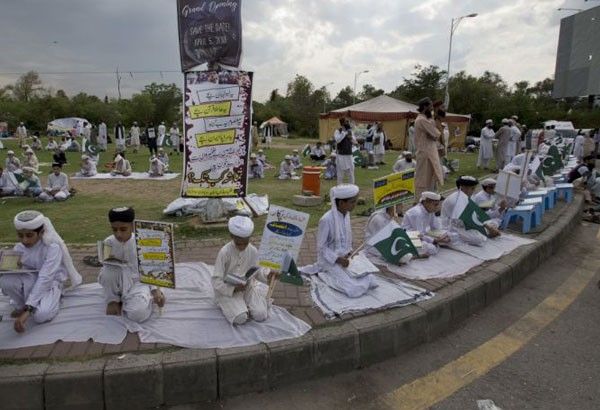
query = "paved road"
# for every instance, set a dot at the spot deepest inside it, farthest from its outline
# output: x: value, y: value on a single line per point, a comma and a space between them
x: 536, y: 348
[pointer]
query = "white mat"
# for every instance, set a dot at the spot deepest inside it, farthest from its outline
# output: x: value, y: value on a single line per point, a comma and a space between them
x: 446, y: 264
x: 134, y: 175
x: 493, y: 249
x: 388, y: 293
x: 189, y: 319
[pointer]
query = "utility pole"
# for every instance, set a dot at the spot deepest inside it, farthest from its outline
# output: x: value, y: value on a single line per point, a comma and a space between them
x: 118, y: 82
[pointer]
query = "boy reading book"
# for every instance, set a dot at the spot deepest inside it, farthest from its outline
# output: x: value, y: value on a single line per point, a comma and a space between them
x: 237, y: 258
x: 121, y: 281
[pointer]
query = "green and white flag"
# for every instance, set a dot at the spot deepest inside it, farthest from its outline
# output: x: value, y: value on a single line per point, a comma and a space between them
x: 306, y: 150
x: 393, y: 243
x: 89, y: 148
x: 289, y: 271
x: 357, y: 157
x: 473, y: 217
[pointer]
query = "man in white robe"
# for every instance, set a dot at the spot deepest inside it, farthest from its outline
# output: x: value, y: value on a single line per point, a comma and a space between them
x: 88, y: 167
x: 334, y: 244
x: 404, y: 162
x: 344, y: 163
x: 134, y: 133
x: 515, y: 138
x: 489, y: 201
x: 486, y: 148
x: 379, y: 145
x: 578, y: 148
x: 37, y: 293
x: 162, y: 132
x: 174, y: 134
x: 123, y: 291
x: 503, y: 135
x: 243, y: 301
x: 411, y: 137
x: 102, y: 136
x: 120, y: 136
x: 58, y: 185
x: 21, y: 134
x: 450, y: 214
x: 422, y: 218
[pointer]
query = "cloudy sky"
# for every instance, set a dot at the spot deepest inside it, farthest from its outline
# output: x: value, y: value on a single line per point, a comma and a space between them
x: 324, y: 40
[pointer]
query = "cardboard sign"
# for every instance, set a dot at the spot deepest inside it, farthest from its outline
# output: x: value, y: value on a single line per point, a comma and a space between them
x: 393, y: 189
x: 155, y: 252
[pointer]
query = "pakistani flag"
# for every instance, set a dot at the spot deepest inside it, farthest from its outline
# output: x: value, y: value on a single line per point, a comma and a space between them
x: 306, y: 150
x: 357, y: 158
x: 473, y: 217
x: 167, y: 142
x: 393, y: 243
x: 89, y: 148
x: 289, y: 271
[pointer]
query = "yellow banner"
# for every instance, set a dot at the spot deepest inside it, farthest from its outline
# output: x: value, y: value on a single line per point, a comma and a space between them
x: 221, y: 109
x: 215, y: 138
x: 155, y: 256
x: 153, y: 242
x: 393, y: 189
x: 210, y: 192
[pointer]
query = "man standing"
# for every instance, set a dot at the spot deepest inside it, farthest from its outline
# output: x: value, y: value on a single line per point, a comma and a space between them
x: 428, y: 171
x: 120, y: 136
x: 344, y: 161
x: 486, y: 148
x: 503, y: 136
x: 134, y: 133
x: 102, y: 136
x: 174, y: 134
x: 21, y: 134
x: 411, y: 137
x: 515, y: 139
x: 162, y: 131
x: 254, y: 135
x: 151, y: 139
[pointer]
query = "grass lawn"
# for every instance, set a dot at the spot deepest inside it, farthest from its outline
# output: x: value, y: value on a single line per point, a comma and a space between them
x: 82, y: 218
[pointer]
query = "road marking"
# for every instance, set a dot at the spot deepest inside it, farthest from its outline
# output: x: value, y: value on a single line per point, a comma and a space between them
x: 428, y: 390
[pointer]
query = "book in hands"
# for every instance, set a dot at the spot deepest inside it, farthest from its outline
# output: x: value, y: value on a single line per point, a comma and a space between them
x: 10, y: 262
x: 105, y: 256
x: 236, y: 280
x: 437, y: 233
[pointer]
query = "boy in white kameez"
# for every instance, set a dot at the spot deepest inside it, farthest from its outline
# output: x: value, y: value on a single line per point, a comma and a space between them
x: 379, y: 220
x: 255, y: 168
x: 286, y: 169
x: 37, y: 294
x: 240, y: 302
x: 164, y: 158
x: 121, y: 166
x: 334, y: 244
x: 489, y: 202
x: 465, y: 187
x: 88, y: 167
x: 8, y: 185
x: 31, y: 160
x: 157, y: 168
x: 12, y: 163
x: 296, y: 161
x: 422, y: 218
x: 123, y: 291
x: 58, y: 185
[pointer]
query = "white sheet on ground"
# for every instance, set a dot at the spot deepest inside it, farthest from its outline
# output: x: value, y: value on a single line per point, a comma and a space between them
x: 388, y: 293
x: 134, y: 175
x: 189, y: 319
x: 447, y: 263
x: 493, y: 249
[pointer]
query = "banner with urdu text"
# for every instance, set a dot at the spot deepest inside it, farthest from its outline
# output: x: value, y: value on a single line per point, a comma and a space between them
x: 393, y: 189
x: 210, y: 31
x: 217, y: 131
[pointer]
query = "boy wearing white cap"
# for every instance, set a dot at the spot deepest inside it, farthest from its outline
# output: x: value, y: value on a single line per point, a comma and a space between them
x: 121, y: 166
x: 295, y: 158
x: 123, y: 291
x: 256, y: 169
x: 88, y: 167
x: 404, y: 162
x: 240, y: 302
x: 58, y: 185
x: 334, y: 244
x: 422, y: 218
x: 330, y: 167
x: 488, y: 201
x: 44, y: 253
x: 8, y: 184
x: 157, y: 168
x: 30, y: 185
x: 11, y: 163
x: 31, y: 160
x: 286, y: 169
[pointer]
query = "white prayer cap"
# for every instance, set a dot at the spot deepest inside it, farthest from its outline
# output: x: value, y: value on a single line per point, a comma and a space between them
x: 295, y: 150
x: 405, y: 153
x: 287, y: 157
x: 260, y: 151
x: 29, y: 151
x: 514, y: 117
x: 10, y: 152
x: 466, y: 180
x: 84, y: 157
x: 488, y: 182
x: 28, y: 220
x: 241, y: 226
x: 504, y: 121
x: 430, y: 195
x: 333, y: 154
x: 161, y: 149
x: 489, y: 121
x: 344, y: 191
x: 253, y: 155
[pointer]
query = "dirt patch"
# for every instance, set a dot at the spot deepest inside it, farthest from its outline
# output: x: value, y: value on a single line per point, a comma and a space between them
x: 162, y: 191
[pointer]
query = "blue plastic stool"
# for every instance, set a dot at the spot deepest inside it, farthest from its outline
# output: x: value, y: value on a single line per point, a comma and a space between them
x: 538, y: 202
x: 565, y: 190
x: 552, y: 195
x: 525, y: 212
x: 541, y: 194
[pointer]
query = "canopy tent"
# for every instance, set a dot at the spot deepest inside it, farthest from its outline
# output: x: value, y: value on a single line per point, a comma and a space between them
x: 73, y: 124
x: 275, y: 126
x: 394, y: 115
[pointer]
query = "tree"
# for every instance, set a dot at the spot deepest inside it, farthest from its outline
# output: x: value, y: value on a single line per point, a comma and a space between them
x: 424, y: 82
x: 343, y: 99
x: 166, y: 100
x: 26, y: 86
x: 368, y: 92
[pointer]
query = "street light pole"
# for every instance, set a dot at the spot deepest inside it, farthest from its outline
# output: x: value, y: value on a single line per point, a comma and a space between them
x: 324, y: 99
x: 453, y: 26
x: 355, y: 79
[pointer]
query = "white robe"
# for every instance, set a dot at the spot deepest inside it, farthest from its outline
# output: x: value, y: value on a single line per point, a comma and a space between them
x: 286, y: 171
x: 450, y: 221
x: 102, y: 135
x: 135, y: 136
x: 486, y: 149
x: 43, y: 289
x: 237, y: 306
x: 122, y: 283
x: 174, y: 133
x: 162, y: 131
x: 411, y: 139
x: 379, y: 148
x: 122, y: 167
x: 88, y: 169
x: 419, y: 219
x: 403, y: 165
x: 332, y: 246
x: 578, y: 149
x: 60, y: 182
x: 7, y: 184
x: 515, y: 136
x: 494, y: 212
x: 157, y: 168
x: 12, y: 164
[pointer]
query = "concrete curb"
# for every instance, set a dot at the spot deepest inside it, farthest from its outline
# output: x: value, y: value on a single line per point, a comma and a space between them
x: 199, y: 375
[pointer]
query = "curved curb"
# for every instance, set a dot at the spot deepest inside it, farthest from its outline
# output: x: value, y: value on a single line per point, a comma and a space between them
x: 198, y: 375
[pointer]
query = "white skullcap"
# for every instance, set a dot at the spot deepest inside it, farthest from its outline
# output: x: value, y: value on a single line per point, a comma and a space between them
x: 295, y: 150
x: 10, y: 152
x: 489, y: 121
x: 430, y: 195
x: 253, y: 155
x: 29, y: 151
x: 241, y: 226
x: 405, y: 153
x: 260, y: 150
x: 514, y: 117
x: 504, y: 121
x: 488, y: 182
x: 84, y: 157
x: 287, y: 157
x: 344, y: 191
x: 333, y: 154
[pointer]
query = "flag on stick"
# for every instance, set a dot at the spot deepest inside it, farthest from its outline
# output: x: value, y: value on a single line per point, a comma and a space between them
x: 289, y: 271
x: 473, y: 217
x: 393, y: 243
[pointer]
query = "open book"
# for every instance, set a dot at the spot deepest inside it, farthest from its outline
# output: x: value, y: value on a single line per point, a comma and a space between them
x: 235, y: 280
x: 415, y: 238
x: 105, y: 256
x: 10, y: 262
x: 360, y: 266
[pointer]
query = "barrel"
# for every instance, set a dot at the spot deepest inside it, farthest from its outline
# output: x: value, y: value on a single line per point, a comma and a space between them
x: 311, y: 180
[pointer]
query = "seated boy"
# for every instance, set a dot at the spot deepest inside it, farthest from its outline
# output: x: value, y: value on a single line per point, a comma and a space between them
x: 256, y: 168
x: 121, y: 283
x: 58, y: 185
x: 422, y: 218
x: 286, y: 169
x: 88, y: 167
x: 240, y: 302
x: 8, y: 185
x: 334, y: 244
x: 164, y: 158
x: 157, y: 168
x: 296, y: 161
x: 30, y: 184
x: 317, y: 153
x: 121, y: 166
x: 37, y: 293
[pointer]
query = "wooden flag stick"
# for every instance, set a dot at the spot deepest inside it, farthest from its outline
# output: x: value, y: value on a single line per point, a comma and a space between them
x: 272, y: 284
x: 357, y: 250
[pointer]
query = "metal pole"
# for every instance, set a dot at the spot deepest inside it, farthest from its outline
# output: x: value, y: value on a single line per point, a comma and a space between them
x: 447, y: 94
x: 354, y: 91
